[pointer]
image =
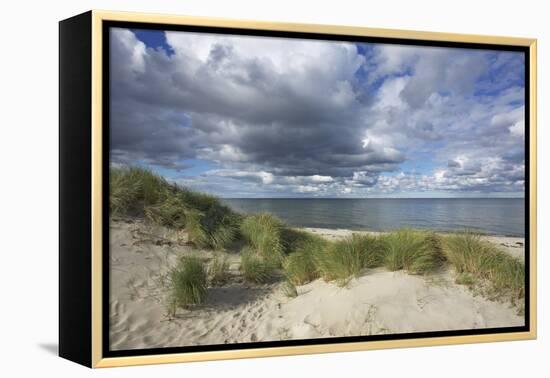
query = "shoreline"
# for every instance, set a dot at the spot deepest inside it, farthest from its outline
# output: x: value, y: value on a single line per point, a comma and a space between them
x: 385, y: 231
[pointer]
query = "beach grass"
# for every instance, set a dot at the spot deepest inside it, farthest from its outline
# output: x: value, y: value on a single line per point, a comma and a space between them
x: 466, y: 279
x: 170, y: 212
x: 215, y: 229
x: 301, y: 266
x: 293, y: 239
x: 417, y: 252
x: 187, y: 283
x: 132, y: 189
x: 218, y: 270
x: 263, y: 233
x: 255, y: 268
x: 480, y: 260
x: 139, y: 192
x: 344, y: 259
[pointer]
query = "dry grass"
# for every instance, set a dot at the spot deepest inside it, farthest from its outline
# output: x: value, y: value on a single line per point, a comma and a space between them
x: 481, y: 261
x: 218, y: 270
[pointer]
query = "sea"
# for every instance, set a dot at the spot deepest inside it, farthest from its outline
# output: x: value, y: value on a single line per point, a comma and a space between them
x: 493, y: 216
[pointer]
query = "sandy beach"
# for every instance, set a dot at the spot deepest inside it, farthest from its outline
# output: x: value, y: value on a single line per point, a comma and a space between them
x: 378, y: 302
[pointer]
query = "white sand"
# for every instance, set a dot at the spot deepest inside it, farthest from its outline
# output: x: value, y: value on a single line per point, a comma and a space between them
x: 378, y: 302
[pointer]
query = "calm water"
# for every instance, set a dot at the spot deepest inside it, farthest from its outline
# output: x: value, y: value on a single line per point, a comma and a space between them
x: 501, y: 216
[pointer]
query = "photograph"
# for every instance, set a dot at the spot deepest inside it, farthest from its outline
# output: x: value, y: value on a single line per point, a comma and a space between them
x: 268, y: 187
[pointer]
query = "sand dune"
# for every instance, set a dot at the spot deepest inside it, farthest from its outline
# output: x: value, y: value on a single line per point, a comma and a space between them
x: 378, y: 302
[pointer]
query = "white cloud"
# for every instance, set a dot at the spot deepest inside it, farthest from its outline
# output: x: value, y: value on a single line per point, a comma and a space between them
x: 307, y: 189
x: 318, y: 178
x: 507, y: 118
x: 260, y: 176
x: 518, y: 129
x: 389, y: 94
x: 129, y: 49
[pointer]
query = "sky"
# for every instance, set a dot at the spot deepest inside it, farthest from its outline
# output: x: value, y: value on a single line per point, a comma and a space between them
x: 248, y: 117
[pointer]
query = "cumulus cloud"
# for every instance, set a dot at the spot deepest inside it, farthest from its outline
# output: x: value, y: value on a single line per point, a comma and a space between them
x: 278, y: 117
x: 259, y: 176
x: 518, y: 128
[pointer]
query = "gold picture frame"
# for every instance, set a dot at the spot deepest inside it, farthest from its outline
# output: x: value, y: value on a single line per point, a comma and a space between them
x: 93, y: 326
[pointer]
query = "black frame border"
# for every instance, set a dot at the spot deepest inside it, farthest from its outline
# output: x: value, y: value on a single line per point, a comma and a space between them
x: 106, y: 25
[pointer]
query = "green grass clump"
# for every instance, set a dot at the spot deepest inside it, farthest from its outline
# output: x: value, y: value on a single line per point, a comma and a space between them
x: 218, y: 270
x: 210, y: 223
x: 293, y: 239
x: 187, y: 283
x: 171, y: 212
x: 214, y: 229
x: 139, y: 192
x: 471, y: 255
x: 414, y: 251
x: 345, y: 259
x: 465, y: 279
x: 255, y: 268
x: 263, y: 233
x: 121, y: 192
x: 132, y: 189
x: 301, y: 266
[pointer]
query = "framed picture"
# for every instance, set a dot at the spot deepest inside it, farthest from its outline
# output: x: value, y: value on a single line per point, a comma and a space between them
x: 234, y: 189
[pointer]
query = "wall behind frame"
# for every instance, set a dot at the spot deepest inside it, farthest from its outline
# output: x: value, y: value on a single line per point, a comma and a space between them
x: 29, y: 156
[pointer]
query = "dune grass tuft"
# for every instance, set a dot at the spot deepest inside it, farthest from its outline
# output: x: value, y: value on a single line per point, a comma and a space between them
x: 132, y: 189
x: 171, y: 212
x: 301, y: 266
x: 187, y: 284
x: 481, y: 260
x: 255, y: 268
x: 293, y: 239
x: 121, y: 192
x: 137, y: 191
x: 466, y: 279
x: 417, y: 252
x: 213, y: 229
x: 263, y: 233
x: 218, y: 270
x: 346, y: 258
